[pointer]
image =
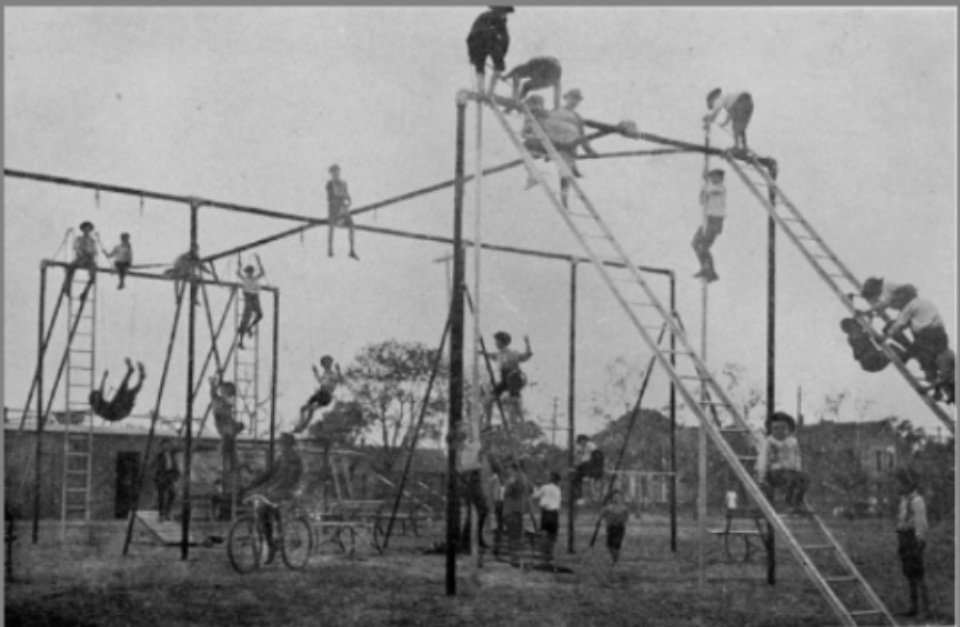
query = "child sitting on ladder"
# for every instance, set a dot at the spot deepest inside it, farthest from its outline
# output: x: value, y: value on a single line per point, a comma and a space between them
x: 512, y: 378
x: 779, y: 464
x: 84, y: 256
x: 250, y: 278
x: 328, y: 381
x: 122, y: 255
x: 713, y: 199
x: 120, y: 406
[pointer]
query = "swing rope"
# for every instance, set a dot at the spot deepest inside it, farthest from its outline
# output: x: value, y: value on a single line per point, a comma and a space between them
x: 154, y: 416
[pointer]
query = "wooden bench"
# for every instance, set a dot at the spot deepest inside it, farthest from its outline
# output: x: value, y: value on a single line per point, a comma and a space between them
x: 750, y: 534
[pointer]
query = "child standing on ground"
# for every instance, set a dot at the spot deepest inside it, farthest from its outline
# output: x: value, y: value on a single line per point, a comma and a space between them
x: 338, y: 206
x: 779, y: 464
x: 713, y: 199
x: 489, y: 38
x: 738, y: 106
x: 911, y: 540
x: 615, y: 514
x: 328, y: 381
x: 250, y: 278
x: 85, y: 248
x: 122, y: 255
x: 549, y: 497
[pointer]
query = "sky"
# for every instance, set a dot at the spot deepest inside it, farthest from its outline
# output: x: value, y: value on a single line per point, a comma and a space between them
x: 252, y: 105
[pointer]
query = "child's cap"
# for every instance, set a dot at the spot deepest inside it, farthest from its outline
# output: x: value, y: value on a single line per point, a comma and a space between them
x: 716, y: 172
x: 502, y: 336
x: 871, y: 287
x: 86, y: 225
x: 573, y: 94
x: 783, y: 417
x: 713, y: 95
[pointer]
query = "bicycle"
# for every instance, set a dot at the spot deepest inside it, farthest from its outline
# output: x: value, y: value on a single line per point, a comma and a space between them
x: 246, y: 541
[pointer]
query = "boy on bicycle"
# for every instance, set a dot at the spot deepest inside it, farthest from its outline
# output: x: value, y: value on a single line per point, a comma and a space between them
x: 276, y: 485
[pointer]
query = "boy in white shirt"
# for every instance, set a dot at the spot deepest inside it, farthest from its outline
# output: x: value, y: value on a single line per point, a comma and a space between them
x: 779, y: 464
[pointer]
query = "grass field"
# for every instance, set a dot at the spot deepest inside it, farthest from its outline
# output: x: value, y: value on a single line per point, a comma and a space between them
x: 91, y: 584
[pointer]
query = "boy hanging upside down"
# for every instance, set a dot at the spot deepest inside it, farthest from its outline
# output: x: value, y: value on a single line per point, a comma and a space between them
x: 120, y: 406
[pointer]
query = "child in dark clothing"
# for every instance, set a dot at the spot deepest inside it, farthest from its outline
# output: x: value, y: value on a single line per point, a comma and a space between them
x: 122, y: 403
x: 489, y: 38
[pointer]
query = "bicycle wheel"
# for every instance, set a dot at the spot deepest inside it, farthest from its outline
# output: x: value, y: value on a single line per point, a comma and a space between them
x: 296, y: 542
x: 244, y: 545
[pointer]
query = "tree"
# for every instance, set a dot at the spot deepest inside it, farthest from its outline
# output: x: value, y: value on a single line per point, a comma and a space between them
x: 389, y: 381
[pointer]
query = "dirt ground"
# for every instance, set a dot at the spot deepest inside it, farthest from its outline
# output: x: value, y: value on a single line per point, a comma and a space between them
x: 88, y: 582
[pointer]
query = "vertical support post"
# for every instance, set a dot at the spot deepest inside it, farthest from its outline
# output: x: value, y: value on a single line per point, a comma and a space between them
x: 188, y: 417
x: 771, y: 347
x: 673, y: 420
x: 40, y: 356
x: 571, y: 399
x: 273, y: 376
x: 456, y: 353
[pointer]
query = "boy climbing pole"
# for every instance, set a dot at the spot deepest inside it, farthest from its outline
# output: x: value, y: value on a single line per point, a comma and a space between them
x: 738, y: 106
x: 338, y: 206
x: 489, y: 38
x: 84, y: 256
x: 328, y: 380
x: 120, y: 406
x: 713, y: 199
x: 252, y: 313
x: 537, y: 73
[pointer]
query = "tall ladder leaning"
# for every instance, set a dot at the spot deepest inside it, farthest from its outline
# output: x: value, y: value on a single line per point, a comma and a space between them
x: 827, y: 266
x: 80, y: 379
x: 845, y: 590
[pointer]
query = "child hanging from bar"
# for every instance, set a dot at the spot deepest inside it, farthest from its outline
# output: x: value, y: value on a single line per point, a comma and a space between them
x: 512, y: 379
x: 338, y: 206
x: 489, y: 38
x: 713, y: 199
x: 537, y: 73
x: 323, y: 396
x: 779, y: 463
x: 85, y: 248
x: 120, y: 406
x: 252, y: 312
x: 615, y: 514
x: 122, y: 255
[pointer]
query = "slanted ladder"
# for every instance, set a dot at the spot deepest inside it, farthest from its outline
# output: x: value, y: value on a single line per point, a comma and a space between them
x: 647, y: 314
x: 828, y: 267
x: 79, y: 380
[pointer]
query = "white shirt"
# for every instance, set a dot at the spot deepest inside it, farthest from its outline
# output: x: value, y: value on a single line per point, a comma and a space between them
x: 549, y: 496
x: 713, y: 197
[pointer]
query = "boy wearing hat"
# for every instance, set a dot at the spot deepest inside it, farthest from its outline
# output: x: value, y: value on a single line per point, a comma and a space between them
x: 911, y: 539
x: 122, y: 255
x: 713, y: 199
x: 778, y: 463
x: 739, y: 108
x: 537, y: 73
x: 489, y: 38
x: 250, y: 279
x: 338, y: 206
x: 84, y: 256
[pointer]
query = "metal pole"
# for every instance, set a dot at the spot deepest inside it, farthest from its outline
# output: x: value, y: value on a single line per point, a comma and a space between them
x: 273, y: 376
x: 673, y: 421
x: 191, y: 340
x: 38, y: 450
x: 571, y: 400
x: 456, y: 355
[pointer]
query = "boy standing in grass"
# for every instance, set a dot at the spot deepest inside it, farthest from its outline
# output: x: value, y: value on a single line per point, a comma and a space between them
x: 911, y: 540
x: 615, y: 515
